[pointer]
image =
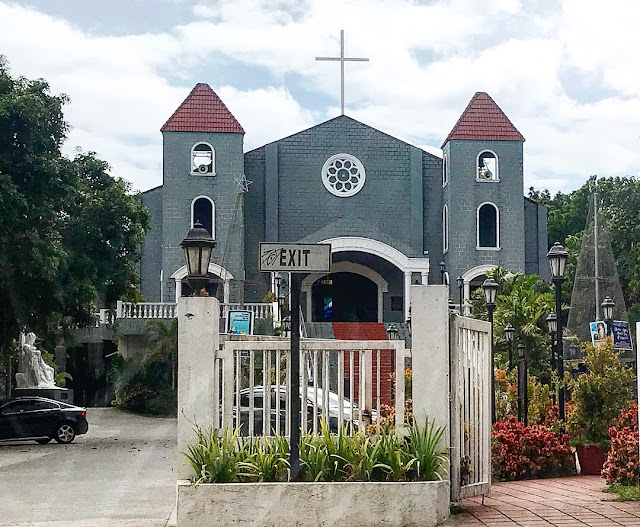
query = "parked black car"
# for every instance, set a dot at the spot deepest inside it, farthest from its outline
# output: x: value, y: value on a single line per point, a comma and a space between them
x: 42, y: 419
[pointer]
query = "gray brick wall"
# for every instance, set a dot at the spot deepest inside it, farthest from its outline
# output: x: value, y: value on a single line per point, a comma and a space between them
x: 179, y: 190
x: 464, y: 194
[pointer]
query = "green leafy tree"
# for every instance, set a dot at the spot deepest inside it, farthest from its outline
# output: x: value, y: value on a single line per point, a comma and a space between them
x: 524, y: 301
x: 70, y: 232
x: 620, y: 203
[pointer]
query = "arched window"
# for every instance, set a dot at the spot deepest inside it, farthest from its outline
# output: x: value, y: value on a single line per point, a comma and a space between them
x: 203, y: 210
x: 488, y: 226
x: 445, y: 229
x: 445, y: 170
x: 487, y: 166
x: 203, y: 159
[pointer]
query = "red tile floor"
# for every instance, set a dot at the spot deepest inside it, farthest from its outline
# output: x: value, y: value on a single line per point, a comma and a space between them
x: 561, y: 502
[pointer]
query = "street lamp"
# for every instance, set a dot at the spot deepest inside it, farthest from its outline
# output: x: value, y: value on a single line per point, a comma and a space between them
x: 392, y: 332
x: 460, y: 281
x: 509, y: 332
x: 490, y: 288
x: 523, y: 389
x: 557, y: 257
x: 197, y: 245
x: 442, y: 269
x: 607, y: 308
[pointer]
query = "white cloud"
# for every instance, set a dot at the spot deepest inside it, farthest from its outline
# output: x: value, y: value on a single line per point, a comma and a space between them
x: 427, y: 60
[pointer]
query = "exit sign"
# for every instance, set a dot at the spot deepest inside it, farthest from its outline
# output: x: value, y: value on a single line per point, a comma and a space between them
x: 295, y: 257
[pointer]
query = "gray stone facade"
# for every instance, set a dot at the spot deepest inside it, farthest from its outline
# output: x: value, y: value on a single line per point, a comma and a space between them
x: 400, y: 206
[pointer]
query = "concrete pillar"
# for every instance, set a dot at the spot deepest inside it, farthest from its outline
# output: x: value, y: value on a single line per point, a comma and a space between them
x: 380, y: 304
x: 424, y: 275
x: 407, y: 293
x: 430, y: 354
x: 225, y: 293
x: 178, y: 290
x: 198, y: 342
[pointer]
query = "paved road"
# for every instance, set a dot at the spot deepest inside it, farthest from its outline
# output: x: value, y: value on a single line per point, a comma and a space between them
x: 120, y: 474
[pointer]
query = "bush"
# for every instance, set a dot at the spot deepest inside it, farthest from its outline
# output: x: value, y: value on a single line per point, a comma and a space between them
x: 228, y: 458
x: 520, y: 452
x: 599, y: 395
x: 622, y: 464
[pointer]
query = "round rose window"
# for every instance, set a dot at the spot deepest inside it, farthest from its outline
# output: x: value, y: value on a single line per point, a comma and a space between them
x: 343, y: 175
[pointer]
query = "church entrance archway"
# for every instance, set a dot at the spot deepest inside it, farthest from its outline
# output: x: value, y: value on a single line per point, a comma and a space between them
x: 344, y: 297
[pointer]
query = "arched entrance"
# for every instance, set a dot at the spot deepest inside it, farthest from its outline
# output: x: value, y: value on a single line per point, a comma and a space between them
x: 344, y: 297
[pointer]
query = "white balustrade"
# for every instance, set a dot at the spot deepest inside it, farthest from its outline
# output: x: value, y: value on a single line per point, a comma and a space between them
x: 146, y: 310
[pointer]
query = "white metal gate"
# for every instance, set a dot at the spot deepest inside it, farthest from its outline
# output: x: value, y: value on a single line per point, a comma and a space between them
x: 341, y: 381
x: 471, y: 372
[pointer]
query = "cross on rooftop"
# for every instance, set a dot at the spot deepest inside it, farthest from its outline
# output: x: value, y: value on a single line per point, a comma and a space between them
x: 342, y: 59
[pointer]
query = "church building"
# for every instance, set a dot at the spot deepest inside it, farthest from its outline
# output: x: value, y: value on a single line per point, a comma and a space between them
x: 394, y: 214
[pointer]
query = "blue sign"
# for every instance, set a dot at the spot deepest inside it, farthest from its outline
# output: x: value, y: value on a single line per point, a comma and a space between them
x: 240, y: 322
x: 619, y: 330
x: 621, y: 335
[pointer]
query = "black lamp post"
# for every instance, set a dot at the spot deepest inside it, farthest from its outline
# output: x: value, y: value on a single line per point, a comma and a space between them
x: 460, y: 281
x: 490, y: 288
x: 509, y: 332
x: 523, y: 389
x: 197, y: 245
x: 557, y: 257
x: 442, y: 269
x: 608, y: 306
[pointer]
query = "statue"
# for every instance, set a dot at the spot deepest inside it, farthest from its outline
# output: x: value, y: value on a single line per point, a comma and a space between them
x: 33, y: 371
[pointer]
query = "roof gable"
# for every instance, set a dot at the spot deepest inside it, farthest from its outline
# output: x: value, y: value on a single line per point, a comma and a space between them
x: 483, y: 119
x: 202, y: 111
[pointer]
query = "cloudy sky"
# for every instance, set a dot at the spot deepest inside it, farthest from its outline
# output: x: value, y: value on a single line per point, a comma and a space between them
x: 564, y: 71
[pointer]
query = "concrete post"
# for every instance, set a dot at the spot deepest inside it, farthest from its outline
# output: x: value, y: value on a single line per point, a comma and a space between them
x: 430, y: 354
x: 198, y: 342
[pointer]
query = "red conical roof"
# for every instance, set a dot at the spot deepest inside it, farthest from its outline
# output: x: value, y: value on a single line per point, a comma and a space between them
x: 202, y: 111
x: 483, y: 119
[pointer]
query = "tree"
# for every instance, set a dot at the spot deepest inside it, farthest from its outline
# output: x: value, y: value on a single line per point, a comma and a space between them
x: 524, y: 301
x: 620, y: 203
x: 70, y: 232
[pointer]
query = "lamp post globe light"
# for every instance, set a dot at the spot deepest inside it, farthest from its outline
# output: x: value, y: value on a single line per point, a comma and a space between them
x: 197, y: 245
x: 509, y: 332
x: 490, y: 289
x: 557, y: 257
x: 608, y: 306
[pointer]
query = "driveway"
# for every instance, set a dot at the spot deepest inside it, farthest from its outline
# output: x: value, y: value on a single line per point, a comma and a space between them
x: 122, y: 469
x: 576, y: 501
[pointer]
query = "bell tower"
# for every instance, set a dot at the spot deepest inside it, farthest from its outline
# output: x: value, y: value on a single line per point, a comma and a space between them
x: 482, y: 180
x: 203, y: 162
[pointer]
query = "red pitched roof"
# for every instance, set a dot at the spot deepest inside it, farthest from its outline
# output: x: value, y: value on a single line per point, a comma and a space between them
x: 202, y: 111
x: 483, y: 119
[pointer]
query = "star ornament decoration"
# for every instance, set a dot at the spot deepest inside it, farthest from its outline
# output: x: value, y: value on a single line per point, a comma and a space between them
x: 242, y: 184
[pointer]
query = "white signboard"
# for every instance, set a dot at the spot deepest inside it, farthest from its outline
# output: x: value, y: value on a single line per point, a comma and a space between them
x: 295, y: 257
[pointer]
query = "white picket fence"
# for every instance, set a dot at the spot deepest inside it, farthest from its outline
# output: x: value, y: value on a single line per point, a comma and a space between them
x: 471, y: 372
x: 251, y: 379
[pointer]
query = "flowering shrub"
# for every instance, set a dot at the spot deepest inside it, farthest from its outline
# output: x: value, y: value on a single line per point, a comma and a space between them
x: 520, y: 452
x: 622, y: 464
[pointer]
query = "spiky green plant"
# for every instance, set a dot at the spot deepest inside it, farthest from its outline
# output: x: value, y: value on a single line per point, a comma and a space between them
x: 424, y: 446
x: 313, y: 457
x: 265, y: 461
x: 215, y: 459
x: 395, y: 457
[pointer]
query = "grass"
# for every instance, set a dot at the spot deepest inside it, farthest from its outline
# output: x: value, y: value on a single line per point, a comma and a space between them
x: 625, y: 492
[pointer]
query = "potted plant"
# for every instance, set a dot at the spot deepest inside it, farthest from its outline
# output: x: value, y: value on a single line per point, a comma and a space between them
x: 598, y: 396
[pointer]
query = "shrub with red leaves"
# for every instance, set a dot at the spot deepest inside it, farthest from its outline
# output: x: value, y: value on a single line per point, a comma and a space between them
x: 520, y: 452
x: 622, y: 462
